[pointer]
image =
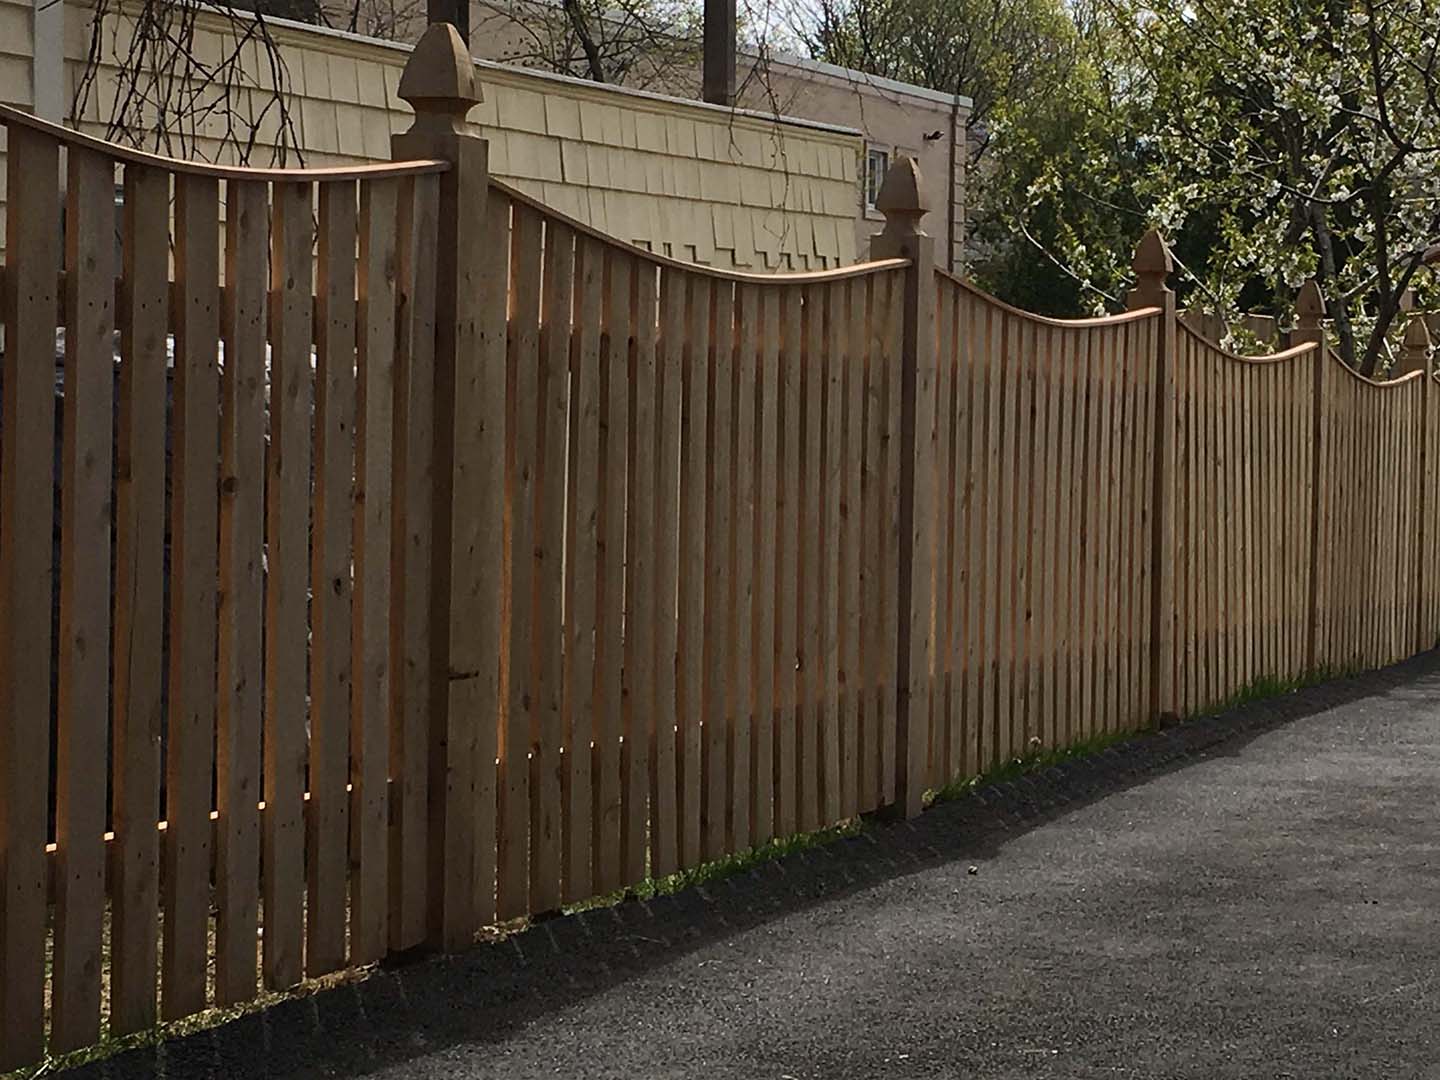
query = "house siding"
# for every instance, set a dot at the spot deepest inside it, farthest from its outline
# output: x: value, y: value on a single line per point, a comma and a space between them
x: 709, y: 185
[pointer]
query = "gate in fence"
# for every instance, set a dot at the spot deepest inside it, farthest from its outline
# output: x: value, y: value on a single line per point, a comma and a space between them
x: 425, y: 558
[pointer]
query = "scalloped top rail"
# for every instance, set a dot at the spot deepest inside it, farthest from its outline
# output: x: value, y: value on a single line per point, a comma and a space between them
x: 1296, y: 351
x: 1263, y: 358
x: 1365, y: 380
x: 130, y: 156
x: 802, y: 278
x: 1045, y: 320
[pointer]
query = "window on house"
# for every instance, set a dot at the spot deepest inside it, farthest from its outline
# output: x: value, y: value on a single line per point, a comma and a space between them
x: 877, y: 161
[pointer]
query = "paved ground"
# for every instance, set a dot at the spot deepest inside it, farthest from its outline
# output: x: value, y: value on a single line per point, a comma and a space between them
x: 1254, y: 895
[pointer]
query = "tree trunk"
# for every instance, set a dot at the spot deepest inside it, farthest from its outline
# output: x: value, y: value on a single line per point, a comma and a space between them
x: 1339, y: 307
x: 587, y: 40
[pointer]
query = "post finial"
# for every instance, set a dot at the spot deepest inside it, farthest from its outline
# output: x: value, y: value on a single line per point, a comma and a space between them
x: 1415, y: 347
x: 901, y: 199
x: 1152, y: 255
x: 1152, y: 265
x: 439, y: 80
x: 1309, y: 306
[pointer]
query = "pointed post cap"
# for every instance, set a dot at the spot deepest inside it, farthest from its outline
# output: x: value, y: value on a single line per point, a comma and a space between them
x: 1309, y: 306
x: 439, y: 80
x: 901, y: 200
x: 1152, y: 256
x: 1152, y: 265
x: 1415, y: 348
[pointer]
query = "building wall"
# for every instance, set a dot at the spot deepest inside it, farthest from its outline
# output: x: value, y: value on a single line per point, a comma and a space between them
x: 892, y: 116
x: 16, y: 70
x: 701, y: 183
x: 719, y: 187
x: 16, y: 46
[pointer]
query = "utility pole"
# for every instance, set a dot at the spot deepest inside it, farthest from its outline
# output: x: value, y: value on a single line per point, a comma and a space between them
x: 454, y: 12
x: 718, y: 82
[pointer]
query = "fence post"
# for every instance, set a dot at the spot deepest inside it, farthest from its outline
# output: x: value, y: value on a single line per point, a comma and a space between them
x: 900, y: 201
x: 1415, y: 348
x: 1152, y: 266
x: 1415, y: 356
x: 1310, y: 327
x: 439, y: 83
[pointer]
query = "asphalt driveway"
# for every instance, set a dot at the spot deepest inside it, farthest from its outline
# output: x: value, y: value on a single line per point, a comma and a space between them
x: 1251, y: 895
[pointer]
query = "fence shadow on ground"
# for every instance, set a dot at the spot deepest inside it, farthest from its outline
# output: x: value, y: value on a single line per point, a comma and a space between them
x: 484, y: 994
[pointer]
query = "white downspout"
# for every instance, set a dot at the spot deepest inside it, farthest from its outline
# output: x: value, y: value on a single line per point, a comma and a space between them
x: 48, y: 60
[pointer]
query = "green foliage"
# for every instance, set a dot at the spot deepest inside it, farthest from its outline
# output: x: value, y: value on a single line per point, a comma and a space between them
x: 1272, y: 141
x: 1288, y: 138
x: 992, y: 52
x: 1055, y: 221
x: 1269, y: 141
x: 1034, y: 759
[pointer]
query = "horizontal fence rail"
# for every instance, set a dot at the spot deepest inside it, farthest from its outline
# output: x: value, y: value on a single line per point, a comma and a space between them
x: 384, y: 554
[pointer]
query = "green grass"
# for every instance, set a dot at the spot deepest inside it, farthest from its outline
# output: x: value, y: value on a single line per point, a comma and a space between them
x: 1271, y: 687
x: 715, y: 870
x: 1258, y: 690
x: 1018, y: 766
x: 723, y: 867
x: 167, y: 1031
x: 729, y: 865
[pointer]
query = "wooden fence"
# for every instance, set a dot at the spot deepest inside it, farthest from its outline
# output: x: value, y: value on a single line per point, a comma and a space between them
x: 1042, y: 592
x: 1377, y: 588
x: 699, y: 548
x: 1245, y: 487
x: 519, y: 565
x: 232, y: 681
x: 1306, y: 497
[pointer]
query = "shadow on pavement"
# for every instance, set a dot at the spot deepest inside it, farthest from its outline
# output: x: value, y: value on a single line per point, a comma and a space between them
x: 493, y: 990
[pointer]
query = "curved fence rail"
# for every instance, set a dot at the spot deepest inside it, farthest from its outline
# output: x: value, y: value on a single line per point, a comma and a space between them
x: 699, y: 648
x: 1042, y: 587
